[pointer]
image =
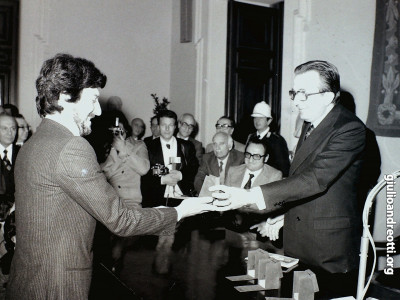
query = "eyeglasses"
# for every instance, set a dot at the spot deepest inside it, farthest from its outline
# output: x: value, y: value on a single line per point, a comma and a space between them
x: 293, y: 93
x: 24, y: 127
x: 219, y: 126
x: 190, y: 126
x: 254, y: 156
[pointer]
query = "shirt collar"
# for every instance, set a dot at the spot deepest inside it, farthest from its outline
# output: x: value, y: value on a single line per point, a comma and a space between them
x: 255, y: 173
x: 264, y: 133
x: 9, y: 150
x: 171, y: 142
x: 223, y: 160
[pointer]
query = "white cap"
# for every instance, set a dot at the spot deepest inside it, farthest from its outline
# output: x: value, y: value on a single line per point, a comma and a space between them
x: 262, y: 109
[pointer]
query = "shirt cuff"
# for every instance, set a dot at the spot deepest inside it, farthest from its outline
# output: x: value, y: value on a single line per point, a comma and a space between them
x: 257, y: 195
x: 179, y: 214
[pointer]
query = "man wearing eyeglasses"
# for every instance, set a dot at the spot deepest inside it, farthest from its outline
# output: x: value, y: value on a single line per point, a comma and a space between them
x: 322, y: 225
x: 254, y: 172
x: 186, y: 126
x: 227, y: 125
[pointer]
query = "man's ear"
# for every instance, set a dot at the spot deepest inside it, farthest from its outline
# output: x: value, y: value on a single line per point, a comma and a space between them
x: 328, y: 97
x: 63, y: 99
x: 269, y: 121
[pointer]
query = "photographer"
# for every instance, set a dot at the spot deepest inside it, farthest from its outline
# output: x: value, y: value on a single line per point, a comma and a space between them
x: 126, y: 163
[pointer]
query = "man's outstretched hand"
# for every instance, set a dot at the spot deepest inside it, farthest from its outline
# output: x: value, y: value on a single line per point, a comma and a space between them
x: 196, y: 205
x: 228, y: 198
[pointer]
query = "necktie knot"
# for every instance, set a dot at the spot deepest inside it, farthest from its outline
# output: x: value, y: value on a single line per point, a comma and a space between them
x: 221, y: 166
x: 309, y: 130
x: 6, y: 161
x: 248, y: 183
x: 168, y: 146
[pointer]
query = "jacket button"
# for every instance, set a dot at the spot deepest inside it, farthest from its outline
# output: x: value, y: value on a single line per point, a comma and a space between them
x: 119, y: 186
x: 123, y: 172
x: 298, y: 218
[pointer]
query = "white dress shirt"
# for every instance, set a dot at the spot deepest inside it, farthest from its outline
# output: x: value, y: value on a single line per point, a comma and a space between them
x: 172, y: 151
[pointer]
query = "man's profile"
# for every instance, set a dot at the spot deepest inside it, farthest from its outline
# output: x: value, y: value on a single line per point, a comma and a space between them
x: 61, y: 190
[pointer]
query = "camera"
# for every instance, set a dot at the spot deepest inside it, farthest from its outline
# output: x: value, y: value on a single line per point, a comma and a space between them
x: 159, y: 170
x: 116, y: 130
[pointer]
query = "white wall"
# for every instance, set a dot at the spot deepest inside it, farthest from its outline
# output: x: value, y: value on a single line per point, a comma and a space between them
x: 130, y: 41
x: 136, y: 43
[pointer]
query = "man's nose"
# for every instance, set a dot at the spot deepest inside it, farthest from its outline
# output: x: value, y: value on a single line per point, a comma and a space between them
x: 97, y: 109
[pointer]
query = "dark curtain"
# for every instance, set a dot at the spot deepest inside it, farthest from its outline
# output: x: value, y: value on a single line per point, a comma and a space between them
x: 384, y: 104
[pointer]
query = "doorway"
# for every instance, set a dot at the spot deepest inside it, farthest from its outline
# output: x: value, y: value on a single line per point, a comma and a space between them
x: 254, y: 63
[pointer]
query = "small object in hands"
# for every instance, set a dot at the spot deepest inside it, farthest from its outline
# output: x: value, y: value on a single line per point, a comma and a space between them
x: 159, y: 170
x: 116, y: 130
x: 217, y: 201
x: 174, y: 161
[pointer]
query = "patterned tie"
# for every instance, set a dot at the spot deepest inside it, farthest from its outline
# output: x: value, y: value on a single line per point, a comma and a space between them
x: 247, y: 186
x: 221, y: 173
x: 309, y: 130
x: 5, y: 160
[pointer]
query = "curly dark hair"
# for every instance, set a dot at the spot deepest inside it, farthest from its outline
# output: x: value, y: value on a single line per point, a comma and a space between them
x: 65, y: 74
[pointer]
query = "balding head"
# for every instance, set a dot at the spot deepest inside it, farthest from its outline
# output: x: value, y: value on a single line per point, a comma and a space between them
x: 222, y: 144
x: 8, y: 129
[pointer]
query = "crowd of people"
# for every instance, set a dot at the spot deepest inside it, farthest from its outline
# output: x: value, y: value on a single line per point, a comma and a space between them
x: 14, y: 132
x: 135, y: 185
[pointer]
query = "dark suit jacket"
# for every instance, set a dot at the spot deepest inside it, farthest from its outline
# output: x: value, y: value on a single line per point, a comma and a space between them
x: 199, y: 148
x: 322, y: 226
x: 147, y: 140
x: 7, y: 185
x: 152, y: 190
x: 244, y: 218
x: 60, y: 192
x: 209, y: 166
x: 278, y: 152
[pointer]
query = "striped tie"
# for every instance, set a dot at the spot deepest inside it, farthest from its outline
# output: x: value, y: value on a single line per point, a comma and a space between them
x: 6, y: 161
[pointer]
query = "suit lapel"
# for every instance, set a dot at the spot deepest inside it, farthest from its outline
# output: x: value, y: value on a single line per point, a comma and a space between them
x: 180, y: 153
x: 15, y: 152
x: 238, y: 176
x: 158, y: 153
x: 214, y: 167
x: 262, y: 178
x: 229, y: 162
x: 319, y: 134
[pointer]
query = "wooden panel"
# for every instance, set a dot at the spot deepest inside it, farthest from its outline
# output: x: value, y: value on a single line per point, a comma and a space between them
x: 9, y: 11
x: 253, y: 63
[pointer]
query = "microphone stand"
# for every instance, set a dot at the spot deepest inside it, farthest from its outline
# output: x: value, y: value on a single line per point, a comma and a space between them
x: 366, y: 236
